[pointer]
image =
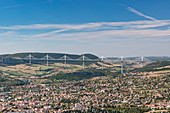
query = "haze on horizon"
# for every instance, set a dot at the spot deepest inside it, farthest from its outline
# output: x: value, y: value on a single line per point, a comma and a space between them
x: 104, y: 28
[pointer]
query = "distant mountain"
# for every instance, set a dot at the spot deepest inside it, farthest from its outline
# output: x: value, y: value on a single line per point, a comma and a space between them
x: 158, y: 58
x: 13, y: 59
x: 40, y: 55
x: 146, y: 58
x: 155, y: 66
x: 14, y: 70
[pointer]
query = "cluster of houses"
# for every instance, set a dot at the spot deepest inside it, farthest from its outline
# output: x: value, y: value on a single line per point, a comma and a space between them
x: 134, y: 89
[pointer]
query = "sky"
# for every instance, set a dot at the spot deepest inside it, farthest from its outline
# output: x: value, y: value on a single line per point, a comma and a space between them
x: 102, y: 27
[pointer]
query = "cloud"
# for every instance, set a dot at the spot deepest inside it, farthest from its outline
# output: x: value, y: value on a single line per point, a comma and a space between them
x: 99, y: 30
x: 21, y: 5
x: 49, y: 33
x: 86, y: 26
x: 58, y: 28
x: 112, y: 35
x: 6, y: 7
x: 141, y: 14
x: 9, y: 33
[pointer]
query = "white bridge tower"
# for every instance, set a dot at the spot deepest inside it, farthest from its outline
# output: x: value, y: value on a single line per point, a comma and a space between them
x: 30, y: 58
x: 121, y: 64
x: 47, y: 59
x: 65, y: 61
x: 83, y: 62
x: 142, y: 60
x: 102, y: 63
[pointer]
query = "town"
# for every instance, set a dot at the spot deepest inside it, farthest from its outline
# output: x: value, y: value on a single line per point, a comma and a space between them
x: 106, y: 93
x: 84, y: 56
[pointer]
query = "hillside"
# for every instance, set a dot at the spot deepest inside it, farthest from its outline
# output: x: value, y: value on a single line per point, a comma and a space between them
x: 15, y: 59
x: 155, y: 66
x: 54, y: 55
x: 40, y: 73
x: 80, y: 75
x: 14, y: 71
x: 146, y: 58
x: 5, y: 81
x: 37, y: 54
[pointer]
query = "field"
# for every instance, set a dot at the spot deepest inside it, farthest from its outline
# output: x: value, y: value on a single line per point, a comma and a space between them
x: 40, y: 72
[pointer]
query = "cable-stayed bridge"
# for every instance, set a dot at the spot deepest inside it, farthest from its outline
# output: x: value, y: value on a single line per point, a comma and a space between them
x: 85, y: 58
x: 64, y: 57
x: 82, y: 59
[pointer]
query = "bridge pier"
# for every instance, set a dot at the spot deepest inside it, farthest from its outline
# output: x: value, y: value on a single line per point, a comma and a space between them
x: 102, y: 63
x: 47, y: 59
x: 142, y: 60
x: 83, y: 62
x: 65, y: 61
x: 121, y: 64
x: 80, y: 59
x: 64, y: 58
x: 29, y: 58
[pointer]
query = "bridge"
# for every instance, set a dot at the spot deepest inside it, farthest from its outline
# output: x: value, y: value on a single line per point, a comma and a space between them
x: 83, y: 59
x: 64, y: 58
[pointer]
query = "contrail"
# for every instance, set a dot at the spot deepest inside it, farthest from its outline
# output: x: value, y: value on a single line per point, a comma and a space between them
x: 141, y: 14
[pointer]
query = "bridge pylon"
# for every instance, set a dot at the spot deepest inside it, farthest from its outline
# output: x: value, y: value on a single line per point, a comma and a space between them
x: 121, y: 64
x: 83, y: 62
x: 47, y: 59
x: 142, y: 60
x: 65, y: 61
x: 102, y: 63
x: 30, y: 58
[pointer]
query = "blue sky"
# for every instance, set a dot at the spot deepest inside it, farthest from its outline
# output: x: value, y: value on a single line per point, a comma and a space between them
x: 101, y: 27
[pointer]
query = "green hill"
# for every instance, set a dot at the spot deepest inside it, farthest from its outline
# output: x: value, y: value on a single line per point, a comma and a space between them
x: 14, y: 59
x: 80, y: 75
x: 54, y: 55
x: 16, y: 71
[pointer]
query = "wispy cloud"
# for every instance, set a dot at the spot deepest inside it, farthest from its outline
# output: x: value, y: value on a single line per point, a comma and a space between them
x: 141, y: 14
x: 99, y: 25
x: 98, y: 30
x: 8, y: 33
x: 21, y: 5
x: 94, y: 30
x: 111, y: 35
x: 13, y: 6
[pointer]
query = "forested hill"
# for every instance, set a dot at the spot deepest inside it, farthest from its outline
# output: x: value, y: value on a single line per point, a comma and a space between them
x: 40, y: 55
x: 12, y: 59
x: 155, y: 66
